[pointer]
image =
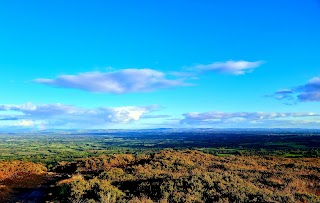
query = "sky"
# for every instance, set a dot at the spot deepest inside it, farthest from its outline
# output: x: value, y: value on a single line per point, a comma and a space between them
x: 159, y: 64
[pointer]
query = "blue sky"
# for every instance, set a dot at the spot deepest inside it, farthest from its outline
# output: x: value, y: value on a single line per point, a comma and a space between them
x: 148, y: 64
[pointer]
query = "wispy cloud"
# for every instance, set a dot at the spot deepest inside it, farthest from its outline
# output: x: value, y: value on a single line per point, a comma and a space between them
x: 60, y: 115
x: 261, y: 118
x: 117, y: 82
x: 283, y: 94
x: 229, y: 67
x: 144, y: 80
x: 303, y: 93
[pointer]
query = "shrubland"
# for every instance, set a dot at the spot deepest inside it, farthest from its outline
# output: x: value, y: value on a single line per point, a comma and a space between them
x: 191, y: 176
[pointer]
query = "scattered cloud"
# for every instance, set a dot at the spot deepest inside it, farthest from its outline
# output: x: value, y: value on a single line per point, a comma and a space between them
x: 283, y: 94
x: 116, y: 82
x: 230, y: 67
x: 59, y: 115
x: 304, y: 93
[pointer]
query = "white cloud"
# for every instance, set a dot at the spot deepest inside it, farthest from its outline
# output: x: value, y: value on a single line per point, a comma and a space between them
x: 59, y: 115
x: 126, y: 114
x: 230, y: 67
x: 144, y: 80
x: 117, y: 82
x: 40, y: 110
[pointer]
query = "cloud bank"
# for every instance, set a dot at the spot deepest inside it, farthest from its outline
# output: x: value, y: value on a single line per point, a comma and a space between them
x: 309, y: 92
x: 60, y: 115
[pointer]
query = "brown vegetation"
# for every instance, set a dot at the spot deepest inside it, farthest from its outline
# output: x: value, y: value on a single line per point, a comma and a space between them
x: 11, y: 169
x: 193, y: 176
x: 19, y: 174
